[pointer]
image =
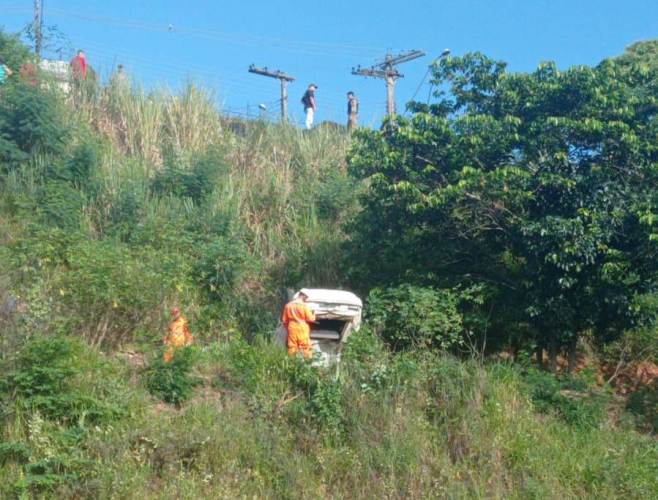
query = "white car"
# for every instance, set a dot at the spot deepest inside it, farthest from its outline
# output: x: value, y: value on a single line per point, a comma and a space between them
x: 337, y: 314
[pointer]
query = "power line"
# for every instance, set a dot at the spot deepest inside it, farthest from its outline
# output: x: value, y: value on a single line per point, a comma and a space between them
x: 227, y: 85
x: 166, y: 68
x: 312, y: 48
x: 445, y: 53
x: 225, y: 81
x: 284, y: 80
x: 387, y: 70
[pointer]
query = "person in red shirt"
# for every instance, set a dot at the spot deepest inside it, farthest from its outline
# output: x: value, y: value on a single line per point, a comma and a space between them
x: 79, y: 67
x: 296, y: 318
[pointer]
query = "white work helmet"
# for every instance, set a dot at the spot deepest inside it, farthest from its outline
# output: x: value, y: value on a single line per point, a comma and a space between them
x: 304, y: 291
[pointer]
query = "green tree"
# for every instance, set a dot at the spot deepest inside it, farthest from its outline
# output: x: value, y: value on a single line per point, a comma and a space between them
x: 537, y: 189
x: 13, y: 52
x: 31, y: 123
x: 416, y: 317
x: 640, y: 53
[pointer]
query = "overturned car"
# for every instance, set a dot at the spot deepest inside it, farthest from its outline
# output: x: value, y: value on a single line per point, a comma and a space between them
x: 337, y: 314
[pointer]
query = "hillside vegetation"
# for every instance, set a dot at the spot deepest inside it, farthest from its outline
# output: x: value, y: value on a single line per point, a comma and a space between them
x: 511, y: 219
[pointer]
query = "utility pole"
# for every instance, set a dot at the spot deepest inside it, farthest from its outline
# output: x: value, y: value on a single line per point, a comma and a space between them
x: 38, y: 27
x: 387, y: 70
x: 283, y: 79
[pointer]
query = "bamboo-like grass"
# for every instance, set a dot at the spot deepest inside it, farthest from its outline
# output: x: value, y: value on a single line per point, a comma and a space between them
x: 274, y: 170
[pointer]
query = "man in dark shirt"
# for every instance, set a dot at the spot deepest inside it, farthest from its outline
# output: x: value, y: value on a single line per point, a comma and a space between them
x: 308, y: 100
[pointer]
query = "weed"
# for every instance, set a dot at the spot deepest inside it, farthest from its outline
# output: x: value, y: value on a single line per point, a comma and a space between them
x: 172, y: 381
x: 568, y: 397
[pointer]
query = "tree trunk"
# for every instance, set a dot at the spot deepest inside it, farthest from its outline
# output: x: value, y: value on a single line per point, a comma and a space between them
x: 513, y: 352
x: 552, y: 355
x: 572, y: 354
x: 539, y: 353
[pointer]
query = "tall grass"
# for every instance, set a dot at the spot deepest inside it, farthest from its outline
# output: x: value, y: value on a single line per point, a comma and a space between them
x: 281, y: 192
x: 391, y: 427
x: 146, y: 125
x: 276, y: 173
x: 158, y: 200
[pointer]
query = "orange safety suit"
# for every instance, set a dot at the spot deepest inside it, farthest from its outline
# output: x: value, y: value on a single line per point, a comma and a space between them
x: 296, y: 318
x: 178, y: 336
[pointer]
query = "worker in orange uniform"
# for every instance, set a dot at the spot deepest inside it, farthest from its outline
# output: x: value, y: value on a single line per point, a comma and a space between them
x: 297, y: 317
x: 178, y: 335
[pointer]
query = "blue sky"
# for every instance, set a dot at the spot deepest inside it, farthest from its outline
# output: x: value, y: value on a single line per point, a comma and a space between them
x: 213, y: 42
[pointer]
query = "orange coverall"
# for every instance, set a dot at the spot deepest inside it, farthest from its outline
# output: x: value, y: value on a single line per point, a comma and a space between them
x: 296, y: 318
x: 179, y: 336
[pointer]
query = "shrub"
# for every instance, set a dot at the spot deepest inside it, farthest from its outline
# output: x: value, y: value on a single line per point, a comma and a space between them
x: 61, y: 204
x: 638, y: 344
x: 363, y: 346
x: 13, y: 452
x: 172, y: 381
x: 80, y: 168
x: 110, y: 290
x: 568, y: 398
x: 31, y: 123
x: 13, y: 52
x: 410, y: 317
x: 220, y: 265
x: 335, y: 196
x: 57, y: 378
x: 196, y: 182
x: 281, y: 386
x: 323, y: 397
x: 644, y: 405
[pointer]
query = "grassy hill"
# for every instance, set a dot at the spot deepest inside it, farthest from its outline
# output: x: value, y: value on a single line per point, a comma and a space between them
x: 116, y: 204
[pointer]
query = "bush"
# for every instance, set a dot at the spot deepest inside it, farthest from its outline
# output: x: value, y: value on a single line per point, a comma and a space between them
x: 362, y: 347
x: 13, y: 453
x: 412, y: 317
x: 196, y: 182
x: 281, y: 386
x: 110, y: 290
x: 13, y: 52
x: 61, y: 204
x: 172, y: 382
x: 639, y: 344
x: 57, y: 378
x: 644, y: 405
x: 78, y: 170
x: 335, y: 196
x: 569, y: 398
x: 31, y: 123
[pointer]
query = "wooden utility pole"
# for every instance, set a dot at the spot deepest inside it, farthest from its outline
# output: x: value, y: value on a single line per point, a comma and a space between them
x: 387, y: 70
x: 283, y: 79
x: 38, y: 27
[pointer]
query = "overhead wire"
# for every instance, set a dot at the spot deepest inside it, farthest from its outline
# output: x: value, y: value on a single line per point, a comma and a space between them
x: 312, y: 48
x: 226, y: 84
x: 172, y: 66
x: 239, y: 38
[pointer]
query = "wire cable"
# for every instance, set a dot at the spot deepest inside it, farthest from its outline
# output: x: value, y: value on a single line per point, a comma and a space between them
x: 312, y: 48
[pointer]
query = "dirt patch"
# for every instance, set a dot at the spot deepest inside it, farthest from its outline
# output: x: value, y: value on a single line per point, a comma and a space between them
x: 631, y: 377
x: 134, y: 359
